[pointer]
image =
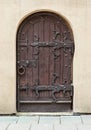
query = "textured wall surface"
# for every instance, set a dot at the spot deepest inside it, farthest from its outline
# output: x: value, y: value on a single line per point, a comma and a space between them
x: 78, y: 14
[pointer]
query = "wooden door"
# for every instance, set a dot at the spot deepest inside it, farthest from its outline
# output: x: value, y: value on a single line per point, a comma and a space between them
x: 44, y: 64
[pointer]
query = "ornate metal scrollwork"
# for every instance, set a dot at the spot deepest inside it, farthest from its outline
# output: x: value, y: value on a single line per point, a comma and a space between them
x: 66, y: 36
x: 54, y: 89
x: 56, y: 34
x: 55, y: 76
x: 36, y: 38
x: 56, y: 54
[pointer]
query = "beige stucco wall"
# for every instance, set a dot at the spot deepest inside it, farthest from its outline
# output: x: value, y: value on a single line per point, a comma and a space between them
x: 78, y: 13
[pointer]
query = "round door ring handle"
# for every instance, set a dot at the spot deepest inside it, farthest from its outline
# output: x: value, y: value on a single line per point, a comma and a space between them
x: 21, y: 70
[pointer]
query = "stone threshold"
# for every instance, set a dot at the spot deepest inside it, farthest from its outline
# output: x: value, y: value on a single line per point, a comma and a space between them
x: 44, y: 113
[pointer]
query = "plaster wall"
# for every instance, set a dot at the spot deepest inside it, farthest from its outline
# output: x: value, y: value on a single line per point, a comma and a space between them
x: 78, y: 14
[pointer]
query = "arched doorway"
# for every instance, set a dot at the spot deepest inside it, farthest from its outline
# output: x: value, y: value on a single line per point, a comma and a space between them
x: 45, y: 48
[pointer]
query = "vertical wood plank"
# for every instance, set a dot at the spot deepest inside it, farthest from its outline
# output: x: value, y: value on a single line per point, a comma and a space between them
x: 35, y: 54
x: 30, y: 57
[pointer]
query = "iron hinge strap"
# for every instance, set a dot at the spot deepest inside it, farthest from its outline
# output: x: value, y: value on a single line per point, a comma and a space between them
x: 52, y: 44
x: 26, y: 63
x: 53, y: 88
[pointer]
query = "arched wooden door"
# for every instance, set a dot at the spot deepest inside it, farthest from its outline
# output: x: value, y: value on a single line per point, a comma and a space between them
x: 45, y: 50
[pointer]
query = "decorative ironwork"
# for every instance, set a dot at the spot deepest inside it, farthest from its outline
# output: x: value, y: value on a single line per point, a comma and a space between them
x: 55, y: 76
x: 56, y: 54
x: 24, y: 88
x: 66, y: 35
x: 44, y: 44
x: 54, y: 89
x: 36, y: 38
x: 56, y: 34
x: 56, y: 45
x: 36, y: 51
x: 26, y: 63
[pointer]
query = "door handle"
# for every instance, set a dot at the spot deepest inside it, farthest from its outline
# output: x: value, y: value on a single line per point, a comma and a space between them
x: 21, y: 70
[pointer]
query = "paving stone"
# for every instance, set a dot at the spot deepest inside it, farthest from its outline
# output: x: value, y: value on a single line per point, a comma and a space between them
x: 19, y: 127
x: 42, y: 127
x: 28, y: 119
x: 9, y: 119
x: 82, y: 122
x: 84, y: 127
x: 49, y: 119
x: 3, y: 126
x: 71, y: 120
x: 65, y: 127
x: 86, y: 119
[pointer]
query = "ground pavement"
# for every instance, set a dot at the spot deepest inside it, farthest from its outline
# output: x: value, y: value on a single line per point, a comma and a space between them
x: 82, y: 122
